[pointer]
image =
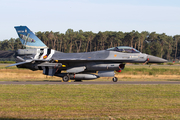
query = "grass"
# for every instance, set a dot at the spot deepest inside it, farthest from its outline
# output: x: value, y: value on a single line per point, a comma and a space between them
x: 130, y: 73
x: 24, y: 75
x: 8, y: 62
x: 90, y: 101
x: 152, y: 70
x: 3, y: 66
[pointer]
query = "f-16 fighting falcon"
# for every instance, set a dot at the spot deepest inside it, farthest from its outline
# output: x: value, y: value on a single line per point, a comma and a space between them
x: 75, y: 66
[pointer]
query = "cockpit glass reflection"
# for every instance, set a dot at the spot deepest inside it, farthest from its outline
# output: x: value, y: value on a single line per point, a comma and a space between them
x: 124, y: 49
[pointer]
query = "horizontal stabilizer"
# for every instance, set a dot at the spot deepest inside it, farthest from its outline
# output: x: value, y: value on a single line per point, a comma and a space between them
x: 20, y: 63
x: 20, y: 58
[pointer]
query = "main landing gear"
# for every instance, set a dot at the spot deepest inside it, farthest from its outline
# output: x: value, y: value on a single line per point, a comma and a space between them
x: 115, y: 79
x: 66, y: 78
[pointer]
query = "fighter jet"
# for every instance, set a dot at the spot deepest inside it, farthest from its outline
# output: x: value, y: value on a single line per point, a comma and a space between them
x: 76, y: 66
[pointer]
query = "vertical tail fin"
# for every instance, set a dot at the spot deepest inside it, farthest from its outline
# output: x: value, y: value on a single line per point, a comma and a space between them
x: 28, y: 38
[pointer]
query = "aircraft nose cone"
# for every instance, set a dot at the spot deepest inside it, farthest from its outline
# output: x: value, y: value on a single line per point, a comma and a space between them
x: 154, y: 59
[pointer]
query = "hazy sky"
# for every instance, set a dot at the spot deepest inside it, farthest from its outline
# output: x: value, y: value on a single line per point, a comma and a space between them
x: 161, y: 16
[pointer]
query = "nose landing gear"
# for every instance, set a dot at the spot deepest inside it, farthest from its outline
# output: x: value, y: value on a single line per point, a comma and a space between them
x: 115, y: 79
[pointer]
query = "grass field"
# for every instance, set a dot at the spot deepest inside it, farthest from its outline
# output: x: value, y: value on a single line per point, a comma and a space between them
x: 90, y: 101
x: 130, y: 73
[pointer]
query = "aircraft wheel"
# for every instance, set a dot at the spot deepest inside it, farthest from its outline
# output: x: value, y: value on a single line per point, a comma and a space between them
x: 66, y: 78
x: 115, y: 79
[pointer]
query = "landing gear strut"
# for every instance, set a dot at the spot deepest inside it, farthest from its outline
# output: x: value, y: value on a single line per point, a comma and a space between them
x: 115, y: 79
x: 66, y: 78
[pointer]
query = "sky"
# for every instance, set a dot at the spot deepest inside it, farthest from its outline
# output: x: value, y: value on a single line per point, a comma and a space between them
x: 160, y: 16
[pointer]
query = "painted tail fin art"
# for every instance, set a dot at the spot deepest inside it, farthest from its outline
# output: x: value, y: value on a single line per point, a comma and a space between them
x: 28, y: 38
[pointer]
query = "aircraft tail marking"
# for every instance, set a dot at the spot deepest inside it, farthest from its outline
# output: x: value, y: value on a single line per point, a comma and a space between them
x: 28, y: 38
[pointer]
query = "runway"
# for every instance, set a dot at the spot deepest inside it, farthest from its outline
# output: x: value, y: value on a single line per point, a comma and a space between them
x: 88, y: 83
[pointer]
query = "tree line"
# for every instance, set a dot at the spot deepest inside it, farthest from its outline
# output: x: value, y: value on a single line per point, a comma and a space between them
x: 160, y: 45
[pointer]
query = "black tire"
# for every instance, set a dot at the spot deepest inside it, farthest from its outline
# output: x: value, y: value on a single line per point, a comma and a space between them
x: 115, y: 79
x: 66, y: 78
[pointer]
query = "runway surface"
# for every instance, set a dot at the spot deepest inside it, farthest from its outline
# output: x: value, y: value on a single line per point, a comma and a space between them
x: 88, y: 83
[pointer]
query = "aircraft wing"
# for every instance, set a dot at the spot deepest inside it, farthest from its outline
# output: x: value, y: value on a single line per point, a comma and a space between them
x: 25, y: 61
x: 20, y: 63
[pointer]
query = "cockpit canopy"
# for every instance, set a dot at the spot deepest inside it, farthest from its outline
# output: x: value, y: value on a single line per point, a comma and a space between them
x: 124, y: 49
